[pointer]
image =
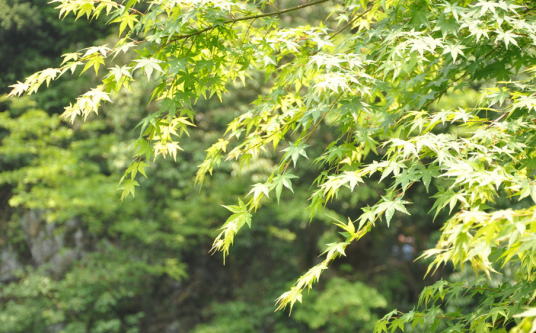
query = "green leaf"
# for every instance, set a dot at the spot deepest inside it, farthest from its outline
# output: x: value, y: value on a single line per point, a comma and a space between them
x: 240, y: 217
x: 294, y: 151
x: 428, y: 173
x: 128, y: 187
x: 447, y: 26
x: 259, y: 189
x: 389, y: 206
x: 148, y: 65
x: 280, y: 181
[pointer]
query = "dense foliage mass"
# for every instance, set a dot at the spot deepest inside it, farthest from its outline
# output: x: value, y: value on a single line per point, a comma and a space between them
x: 73, y: 258
x: 361, y: 90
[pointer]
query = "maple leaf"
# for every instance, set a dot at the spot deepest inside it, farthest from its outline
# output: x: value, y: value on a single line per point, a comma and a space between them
x: 18, y: 89
x: 148, y: 65
x: 294, y: 151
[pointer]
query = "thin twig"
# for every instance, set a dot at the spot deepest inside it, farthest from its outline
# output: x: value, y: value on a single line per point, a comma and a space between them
x: 250, y: 18
x: 349, y: 23
x: 458, y: 79
x: 498, y: 119
x: 273, y: 6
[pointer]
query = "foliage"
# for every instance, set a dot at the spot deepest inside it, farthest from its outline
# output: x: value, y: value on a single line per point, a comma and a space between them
x: 376, y: 88
x: 339, y: 298
x: 60, y: 172
x: 52, y: 174
x: 148, y: 260
x: 31, y: 28
x: 127, y: 247
x: 88, y: 297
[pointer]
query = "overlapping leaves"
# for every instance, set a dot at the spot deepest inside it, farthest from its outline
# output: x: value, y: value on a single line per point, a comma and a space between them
x: 376, y: 87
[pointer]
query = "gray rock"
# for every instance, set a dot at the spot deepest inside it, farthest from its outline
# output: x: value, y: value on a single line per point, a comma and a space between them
x: 9, y: 263
x: 57, y: 245
x: 174, y: 327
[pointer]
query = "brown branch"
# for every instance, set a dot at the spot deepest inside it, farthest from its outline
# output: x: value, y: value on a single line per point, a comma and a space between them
x: 349, y: 23
x: 322, y: 118
x: 421, y: 316
x: 458, y: 79
x: 250, y: 18
x: 498, y: 119
x: 136, y: 11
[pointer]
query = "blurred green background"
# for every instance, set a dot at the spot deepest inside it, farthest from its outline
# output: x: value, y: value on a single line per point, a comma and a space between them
x: 73, y: 258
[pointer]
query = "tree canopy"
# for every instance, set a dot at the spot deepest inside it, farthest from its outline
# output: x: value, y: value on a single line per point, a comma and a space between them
x: 373, y: 74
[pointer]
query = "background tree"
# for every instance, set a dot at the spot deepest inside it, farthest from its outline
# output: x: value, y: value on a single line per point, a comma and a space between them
x: 75, y: 259
x: 374, y: 92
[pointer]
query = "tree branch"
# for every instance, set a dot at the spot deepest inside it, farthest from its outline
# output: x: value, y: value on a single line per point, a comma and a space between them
x: 349, y: 23
x: 250, y: 18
